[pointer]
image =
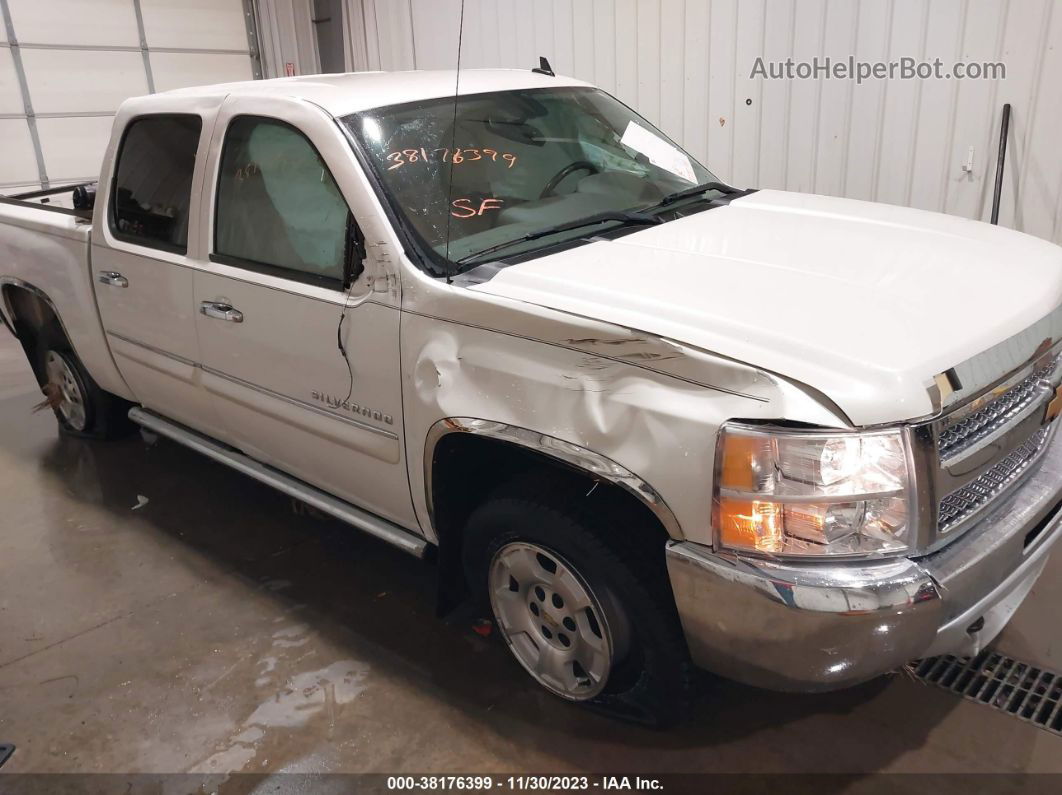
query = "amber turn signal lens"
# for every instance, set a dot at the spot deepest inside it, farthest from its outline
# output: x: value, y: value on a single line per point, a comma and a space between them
x: 751, y: 524
x: 739, y: 453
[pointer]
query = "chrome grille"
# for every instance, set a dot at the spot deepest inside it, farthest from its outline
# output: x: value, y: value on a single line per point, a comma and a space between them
x: 962, y: 503
x: 996, y: 414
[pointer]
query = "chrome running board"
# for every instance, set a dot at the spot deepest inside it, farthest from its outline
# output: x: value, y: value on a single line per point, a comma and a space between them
x: 344, y: 511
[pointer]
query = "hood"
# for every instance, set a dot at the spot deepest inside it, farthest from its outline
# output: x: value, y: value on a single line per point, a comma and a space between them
x: 864, y: 302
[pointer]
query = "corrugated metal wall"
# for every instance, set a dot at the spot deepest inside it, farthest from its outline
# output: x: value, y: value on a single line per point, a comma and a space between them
x: 685, y: 64
x: 287, y: 37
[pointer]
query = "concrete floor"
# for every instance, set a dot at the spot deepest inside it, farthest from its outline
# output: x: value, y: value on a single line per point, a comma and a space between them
x: 215, y: 629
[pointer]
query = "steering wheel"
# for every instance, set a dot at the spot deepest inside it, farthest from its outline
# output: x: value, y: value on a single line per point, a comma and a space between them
x: 571, y: 168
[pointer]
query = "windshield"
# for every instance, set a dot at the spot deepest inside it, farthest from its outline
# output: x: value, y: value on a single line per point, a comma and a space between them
x: 522, y: 161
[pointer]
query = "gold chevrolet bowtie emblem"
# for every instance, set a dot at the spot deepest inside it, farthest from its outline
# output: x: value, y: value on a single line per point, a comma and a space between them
x: 1054, y: 408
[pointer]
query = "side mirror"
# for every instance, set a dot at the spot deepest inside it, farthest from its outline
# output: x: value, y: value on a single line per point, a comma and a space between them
x: 356, y: 253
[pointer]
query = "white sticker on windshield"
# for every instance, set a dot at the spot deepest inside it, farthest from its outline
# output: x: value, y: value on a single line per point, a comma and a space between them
x: 659, y: 151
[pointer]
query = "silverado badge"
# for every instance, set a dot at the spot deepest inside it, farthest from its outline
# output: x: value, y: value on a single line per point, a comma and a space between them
x: 353, y: 408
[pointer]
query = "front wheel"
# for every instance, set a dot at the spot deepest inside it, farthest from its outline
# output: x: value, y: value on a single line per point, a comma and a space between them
x: 579, y: 593
x: 556, y: 626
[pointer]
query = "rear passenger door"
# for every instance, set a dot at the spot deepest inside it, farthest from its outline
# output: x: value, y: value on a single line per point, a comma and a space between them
x: 297, y: 320
x: 143, y: 260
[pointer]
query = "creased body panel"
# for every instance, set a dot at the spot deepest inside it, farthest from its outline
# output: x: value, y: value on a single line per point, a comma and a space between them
x: 864, y: 302
x: 467, y: 355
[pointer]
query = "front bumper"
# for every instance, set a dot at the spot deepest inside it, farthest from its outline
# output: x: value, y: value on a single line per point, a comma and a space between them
x: 793, y: 626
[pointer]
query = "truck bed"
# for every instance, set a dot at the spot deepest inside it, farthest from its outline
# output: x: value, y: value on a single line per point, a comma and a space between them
x: 45, y: 250
x: 57, y: 200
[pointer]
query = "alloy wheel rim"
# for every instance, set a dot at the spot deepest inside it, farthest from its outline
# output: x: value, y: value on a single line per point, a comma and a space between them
x: 551, y: 619
x: 72, y: 403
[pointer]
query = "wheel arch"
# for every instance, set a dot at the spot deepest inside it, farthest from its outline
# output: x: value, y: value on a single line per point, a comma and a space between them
x: 28, y: 311
x: 574, y: 457
x: 466, y: 458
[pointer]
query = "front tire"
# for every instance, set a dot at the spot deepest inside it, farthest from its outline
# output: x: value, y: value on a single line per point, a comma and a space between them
x: 579, y: 593
x: 554, y: 623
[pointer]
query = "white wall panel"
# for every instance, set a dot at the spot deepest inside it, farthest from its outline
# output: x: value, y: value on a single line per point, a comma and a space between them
x: 82, y: 81
x: 102, y: 23
x: 523, y: 25
x: 395, y: 31
x: 1027, y: 29
x: 830, y: 150
x: 435, y: 27
x: 10, y: 97
x: 490, y: 23
x: 720, y: 99
x: 564, y: 35
x: 693, y: 65
x: 930, y: 166
x: 584, y: 55
x: 776, y: 99
x: 18, y: 166
x: 868, y: 102
x: 748, y: 113
x: 73, y: 146
x: 902, y: 100
x: 970, y: 194
x: 83, y: 58
x: 286, y: 37
x: 804, y: 100
x: 194, y: 24
x: 685, y: 64
x: 605, y: 37
x: 1041, y: 170
x: 181, y: 69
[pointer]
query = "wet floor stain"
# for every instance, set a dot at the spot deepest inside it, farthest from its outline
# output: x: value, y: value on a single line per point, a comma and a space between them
x: 306, y: 696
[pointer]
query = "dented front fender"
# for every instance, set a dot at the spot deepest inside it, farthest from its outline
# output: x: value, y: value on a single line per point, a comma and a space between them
x: 647, y: 406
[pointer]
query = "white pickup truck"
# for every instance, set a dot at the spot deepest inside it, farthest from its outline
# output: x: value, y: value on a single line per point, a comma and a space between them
x: 650, y: 421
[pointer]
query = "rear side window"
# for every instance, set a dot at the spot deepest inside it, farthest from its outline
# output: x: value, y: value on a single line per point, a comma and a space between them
x: 153, y: 181
x: 279, y: 210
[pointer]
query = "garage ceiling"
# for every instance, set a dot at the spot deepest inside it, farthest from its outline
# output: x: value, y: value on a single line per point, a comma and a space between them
x: 66, y: 66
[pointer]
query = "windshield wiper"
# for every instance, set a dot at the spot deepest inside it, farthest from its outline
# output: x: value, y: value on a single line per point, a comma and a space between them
x: 696, y: 190
x: 626, y: 217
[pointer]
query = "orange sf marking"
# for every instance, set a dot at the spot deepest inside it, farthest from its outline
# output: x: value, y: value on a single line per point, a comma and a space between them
x: 469, y: 211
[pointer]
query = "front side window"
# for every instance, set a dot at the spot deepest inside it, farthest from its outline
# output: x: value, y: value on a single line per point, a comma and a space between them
x: 278, y: 208
x: 152, y: 187
x: 520, y: 161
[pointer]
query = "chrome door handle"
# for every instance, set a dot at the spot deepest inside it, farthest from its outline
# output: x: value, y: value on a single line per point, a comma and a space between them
x: 221, y: 311
x: 113, y: 278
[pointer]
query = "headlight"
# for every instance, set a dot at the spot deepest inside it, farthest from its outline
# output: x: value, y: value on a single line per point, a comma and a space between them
x: 791, y: 492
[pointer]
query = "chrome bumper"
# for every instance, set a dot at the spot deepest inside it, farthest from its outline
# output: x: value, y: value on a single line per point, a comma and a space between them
x: 790, y: 626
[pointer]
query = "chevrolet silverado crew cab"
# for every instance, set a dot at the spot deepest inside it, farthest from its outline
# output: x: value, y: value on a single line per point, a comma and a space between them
x: 648, y: 420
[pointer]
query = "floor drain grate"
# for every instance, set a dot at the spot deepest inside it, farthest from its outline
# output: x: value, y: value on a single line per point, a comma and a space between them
x: 1029, y: 693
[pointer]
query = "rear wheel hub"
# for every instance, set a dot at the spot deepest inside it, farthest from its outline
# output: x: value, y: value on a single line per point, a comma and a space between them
x: 71, y: 403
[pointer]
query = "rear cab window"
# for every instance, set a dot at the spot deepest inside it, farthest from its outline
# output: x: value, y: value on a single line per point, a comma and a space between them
x: 152, y: 185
